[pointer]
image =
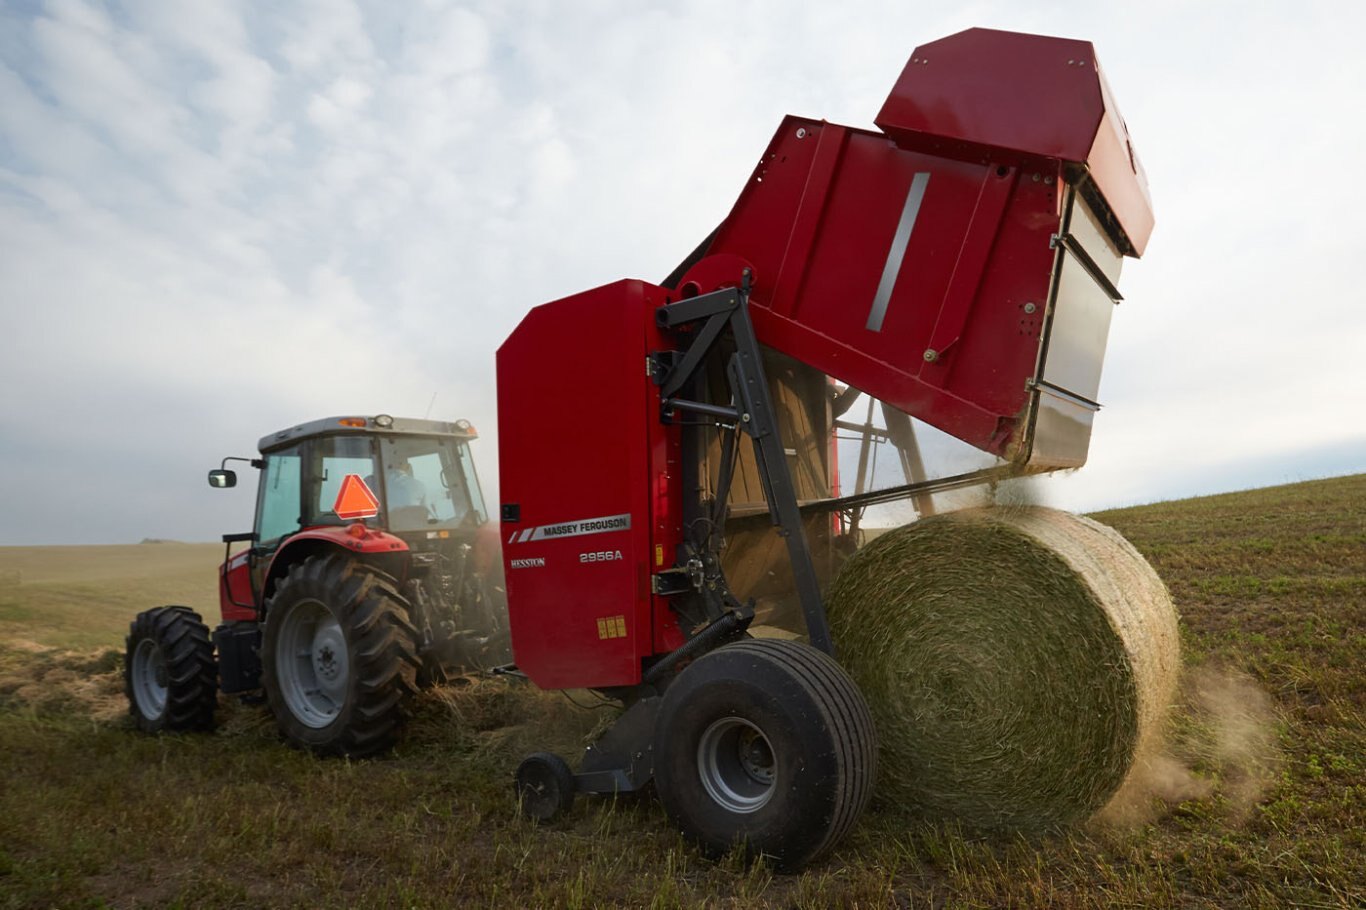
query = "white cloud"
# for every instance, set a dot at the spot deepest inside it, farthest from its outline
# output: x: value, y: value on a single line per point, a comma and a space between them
x: 325, y: 34
x: 217, y: 219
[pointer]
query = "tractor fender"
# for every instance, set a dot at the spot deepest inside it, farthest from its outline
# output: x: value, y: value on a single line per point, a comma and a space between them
x: 376, y: 548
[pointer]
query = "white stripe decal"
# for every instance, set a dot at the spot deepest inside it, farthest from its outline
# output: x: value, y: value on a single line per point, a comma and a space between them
x: 577, y: 528
x: 892, y: 267
x: 583, y: 526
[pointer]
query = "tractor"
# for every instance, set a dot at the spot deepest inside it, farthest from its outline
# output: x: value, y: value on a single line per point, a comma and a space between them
x: 371, y: 570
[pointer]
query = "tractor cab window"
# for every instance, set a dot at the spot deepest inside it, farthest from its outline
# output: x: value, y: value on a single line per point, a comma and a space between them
x: 279, y: 504
x: 471, y: 481
x: 425, y: 486
x: 333, y: 458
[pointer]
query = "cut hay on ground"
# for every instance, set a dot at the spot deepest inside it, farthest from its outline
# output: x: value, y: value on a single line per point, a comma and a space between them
x: 1015, y: 660
x: 45, y: 678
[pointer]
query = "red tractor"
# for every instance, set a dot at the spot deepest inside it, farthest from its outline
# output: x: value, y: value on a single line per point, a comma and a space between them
x: 371, y: 570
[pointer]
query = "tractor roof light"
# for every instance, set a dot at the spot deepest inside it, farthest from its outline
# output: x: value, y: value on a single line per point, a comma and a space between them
x: 352, y: 422
x: 384, y: 421
x: 466, y: 427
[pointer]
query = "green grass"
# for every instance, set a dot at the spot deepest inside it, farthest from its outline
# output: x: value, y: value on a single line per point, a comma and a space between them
x: 1269, y: 742
x: 84, y: 597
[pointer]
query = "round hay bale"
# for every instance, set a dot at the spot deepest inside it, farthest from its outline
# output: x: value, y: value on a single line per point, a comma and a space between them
x: 1016, y: 661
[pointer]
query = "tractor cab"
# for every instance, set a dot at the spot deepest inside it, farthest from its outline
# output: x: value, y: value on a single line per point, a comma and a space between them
x: 409, y: 484
x: 417, y: 475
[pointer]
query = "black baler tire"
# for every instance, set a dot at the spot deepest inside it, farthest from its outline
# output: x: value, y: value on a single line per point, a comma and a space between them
x: 382, y: 659
x: 820, y: 733
x: 191, y: 671
x: 540, y: 770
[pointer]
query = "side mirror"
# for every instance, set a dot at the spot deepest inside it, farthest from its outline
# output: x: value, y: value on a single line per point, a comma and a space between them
x: 222, y: 478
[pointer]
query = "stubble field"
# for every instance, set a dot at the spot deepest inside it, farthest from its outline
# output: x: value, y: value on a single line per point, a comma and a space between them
x: 1259, y: 799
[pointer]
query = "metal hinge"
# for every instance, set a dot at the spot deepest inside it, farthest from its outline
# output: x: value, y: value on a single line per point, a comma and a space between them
x: 671, y: 581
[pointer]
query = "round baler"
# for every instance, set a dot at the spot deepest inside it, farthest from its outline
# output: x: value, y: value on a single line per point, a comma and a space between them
x: 668, y: 451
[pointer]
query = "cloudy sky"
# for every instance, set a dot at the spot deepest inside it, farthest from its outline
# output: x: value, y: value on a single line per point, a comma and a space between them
x: 218, y: 219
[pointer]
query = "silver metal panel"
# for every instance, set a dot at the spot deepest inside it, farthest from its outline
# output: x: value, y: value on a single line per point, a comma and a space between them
x: 1062, y: 432
x: 1086, y: 229
x: 892, y: 267
x: 1078, y: 331
x: 1078, y: 328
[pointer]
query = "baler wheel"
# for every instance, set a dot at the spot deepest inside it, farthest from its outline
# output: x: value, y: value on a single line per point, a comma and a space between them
x: 545, y: 786
x: 169, y: 673
x: 338, y: 657
x: 768, y: 746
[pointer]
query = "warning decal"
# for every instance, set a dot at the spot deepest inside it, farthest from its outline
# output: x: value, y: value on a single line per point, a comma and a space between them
x: 612, y: 626
x: 355, y: 499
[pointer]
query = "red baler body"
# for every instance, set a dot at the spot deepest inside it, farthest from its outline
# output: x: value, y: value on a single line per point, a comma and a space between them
x: 960, y: 266
x: 592, y: 465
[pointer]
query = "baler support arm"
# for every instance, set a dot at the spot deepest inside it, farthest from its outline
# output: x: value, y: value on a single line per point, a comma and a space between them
x: 751, y: 412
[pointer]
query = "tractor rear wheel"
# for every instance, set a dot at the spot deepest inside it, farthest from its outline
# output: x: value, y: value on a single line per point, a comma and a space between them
x: 338, y: 657
x: 169, y: 673
x: 766, y: 746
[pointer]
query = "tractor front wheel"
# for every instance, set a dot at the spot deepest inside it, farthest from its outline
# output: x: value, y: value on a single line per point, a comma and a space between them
x: 169, y: 673
x: 766, y: 746
x: 338, y: 657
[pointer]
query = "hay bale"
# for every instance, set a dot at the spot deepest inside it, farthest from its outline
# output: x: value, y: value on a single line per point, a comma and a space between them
x: 1016, y: 662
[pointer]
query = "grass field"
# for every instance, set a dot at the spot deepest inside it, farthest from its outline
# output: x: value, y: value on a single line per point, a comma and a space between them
x: 1259, y: 801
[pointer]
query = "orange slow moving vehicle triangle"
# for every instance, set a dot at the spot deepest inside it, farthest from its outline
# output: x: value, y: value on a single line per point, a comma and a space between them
x: 355, y: 500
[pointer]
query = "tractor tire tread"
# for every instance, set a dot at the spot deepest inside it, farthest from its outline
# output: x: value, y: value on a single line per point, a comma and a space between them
x: 191, y: 670
x: 384, y: 664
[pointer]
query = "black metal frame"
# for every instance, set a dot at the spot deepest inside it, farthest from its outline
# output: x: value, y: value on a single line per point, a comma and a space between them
x: 751, y: 412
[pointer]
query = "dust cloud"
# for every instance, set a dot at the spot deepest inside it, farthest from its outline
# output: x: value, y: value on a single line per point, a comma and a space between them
x: 1023, y: 491
x: 1221, y: 745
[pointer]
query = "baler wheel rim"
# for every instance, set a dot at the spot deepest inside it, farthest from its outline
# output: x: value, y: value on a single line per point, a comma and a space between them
x: 736, y: 766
